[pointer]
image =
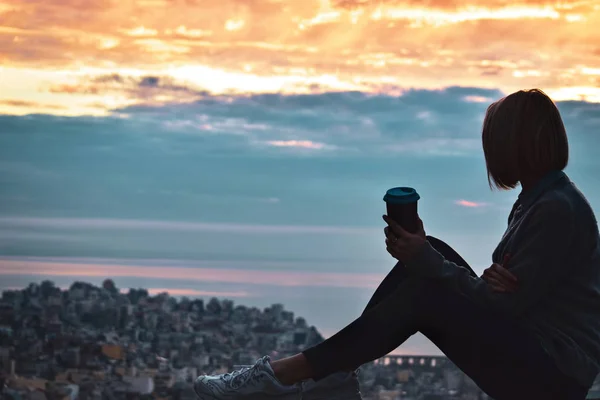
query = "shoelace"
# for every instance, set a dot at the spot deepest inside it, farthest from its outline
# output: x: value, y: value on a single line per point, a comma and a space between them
x: 241, y: 369
x: 248, y: 366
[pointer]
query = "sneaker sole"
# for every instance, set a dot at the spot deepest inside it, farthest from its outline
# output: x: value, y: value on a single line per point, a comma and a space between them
x: 333, y: 396
x: 258, y: 396
x: 253, y: 397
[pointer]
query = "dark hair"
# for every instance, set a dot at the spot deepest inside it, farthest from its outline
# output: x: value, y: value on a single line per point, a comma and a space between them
x: 523, y: 135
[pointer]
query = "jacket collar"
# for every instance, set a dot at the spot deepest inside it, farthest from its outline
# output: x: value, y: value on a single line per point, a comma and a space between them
x: 549, y: 180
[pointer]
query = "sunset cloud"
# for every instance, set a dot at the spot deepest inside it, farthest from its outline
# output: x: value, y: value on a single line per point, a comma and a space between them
x: 478, y: 99
x: 171, y: 291
x: 469, y: 204
x: 225, y: 46
x: 304, y: 144
x: 190, y: 274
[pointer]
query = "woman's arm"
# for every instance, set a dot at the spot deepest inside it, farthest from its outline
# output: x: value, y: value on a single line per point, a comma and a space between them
x: 547, y: 246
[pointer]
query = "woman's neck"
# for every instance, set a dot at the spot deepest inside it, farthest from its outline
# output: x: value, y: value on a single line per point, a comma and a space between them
x: 528, y: 182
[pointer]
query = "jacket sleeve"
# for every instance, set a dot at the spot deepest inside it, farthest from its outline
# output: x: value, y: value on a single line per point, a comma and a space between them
x: 544, y: 246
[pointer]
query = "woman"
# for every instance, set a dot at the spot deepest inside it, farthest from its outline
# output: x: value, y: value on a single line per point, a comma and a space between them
x: 529, y: 328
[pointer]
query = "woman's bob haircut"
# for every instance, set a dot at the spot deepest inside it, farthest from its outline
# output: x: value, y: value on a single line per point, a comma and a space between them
x: 523, y: 136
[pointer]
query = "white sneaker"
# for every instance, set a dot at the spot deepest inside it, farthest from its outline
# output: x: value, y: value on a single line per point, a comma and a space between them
x: 338, y: 386
x: 256, y: 382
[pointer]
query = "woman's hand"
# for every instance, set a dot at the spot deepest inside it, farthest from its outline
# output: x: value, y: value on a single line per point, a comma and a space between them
x: 401, y: 244
x: 499, y: 278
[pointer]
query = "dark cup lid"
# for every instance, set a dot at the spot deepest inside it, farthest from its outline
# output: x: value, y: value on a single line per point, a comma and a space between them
x: 401, y: 195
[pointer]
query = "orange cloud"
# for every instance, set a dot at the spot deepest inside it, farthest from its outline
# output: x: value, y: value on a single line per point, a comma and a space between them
x: 30, y: 104
x: 289, y: 46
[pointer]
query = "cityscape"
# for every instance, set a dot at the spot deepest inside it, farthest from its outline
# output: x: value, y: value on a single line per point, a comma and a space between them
x: 96, y: 343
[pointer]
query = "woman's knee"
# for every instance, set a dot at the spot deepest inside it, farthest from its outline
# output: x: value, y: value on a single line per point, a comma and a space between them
x: 436, y: 243
x: 448, y: 252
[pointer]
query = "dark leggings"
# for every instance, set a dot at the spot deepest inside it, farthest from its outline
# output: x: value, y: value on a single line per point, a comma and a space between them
x: 505, y: 360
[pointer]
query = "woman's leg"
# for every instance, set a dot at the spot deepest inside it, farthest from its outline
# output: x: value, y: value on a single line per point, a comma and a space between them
x: 390, y: 283
x: 398, y: 273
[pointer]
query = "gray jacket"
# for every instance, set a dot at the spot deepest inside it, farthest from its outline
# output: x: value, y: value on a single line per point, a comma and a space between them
x: 553, y: 241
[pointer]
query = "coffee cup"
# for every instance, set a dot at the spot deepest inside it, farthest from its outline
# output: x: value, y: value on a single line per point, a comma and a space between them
x: 401, y: 205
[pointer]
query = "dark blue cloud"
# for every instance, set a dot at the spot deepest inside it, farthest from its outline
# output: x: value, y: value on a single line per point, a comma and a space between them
x: 351, y: 121
x: 210, y: 160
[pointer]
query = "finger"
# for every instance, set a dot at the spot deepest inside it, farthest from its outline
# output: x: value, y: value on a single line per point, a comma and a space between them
x: 396, y: 228
x: 486, y: 272
x: 498, y: 289
x: 492, y: 280
x: 496, y: 274
x: 505, y: 260
x: 393, y: 252
x: 392, y: 244
x: 421, y: 228
x: 494, y: 284
x: 389, y: 234
x: 498, y: 286
x: 498, y: 281
x: 501, y: 280
x: 504, y: 272
x: 485, y: 275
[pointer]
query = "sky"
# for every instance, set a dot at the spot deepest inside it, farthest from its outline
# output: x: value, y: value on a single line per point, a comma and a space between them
x: 241, y: 148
